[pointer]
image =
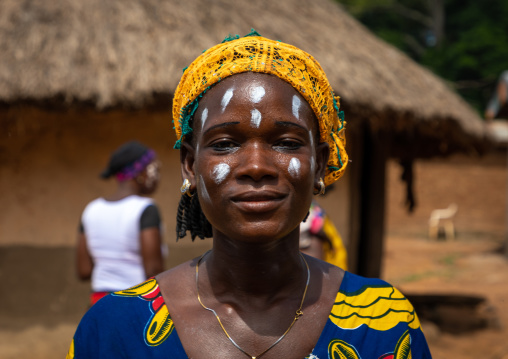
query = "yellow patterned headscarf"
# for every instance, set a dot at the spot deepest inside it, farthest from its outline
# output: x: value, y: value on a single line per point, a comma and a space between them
x: 254, y: 53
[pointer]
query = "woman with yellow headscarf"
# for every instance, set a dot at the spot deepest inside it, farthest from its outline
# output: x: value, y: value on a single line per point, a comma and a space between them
x: 260, y: 133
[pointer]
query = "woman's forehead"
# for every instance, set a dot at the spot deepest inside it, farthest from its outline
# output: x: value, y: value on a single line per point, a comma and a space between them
x: 257, y: 89
x: 255, y: 83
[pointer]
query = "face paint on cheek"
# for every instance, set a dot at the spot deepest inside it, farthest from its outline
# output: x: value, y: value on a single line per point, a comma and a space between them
x: 312, y: 159
x: 204, y: 116
x: 296, y: 106
x: 294, y: 167
x: 204, y: 192
x: 255, y: 119
x: 226, y: 98
x: 257, y: 93
x: 220, y: 172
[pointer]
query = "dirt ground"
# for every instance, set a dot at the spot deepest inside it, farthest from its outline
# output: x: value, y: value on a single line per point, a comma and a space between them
x: 473, y: 264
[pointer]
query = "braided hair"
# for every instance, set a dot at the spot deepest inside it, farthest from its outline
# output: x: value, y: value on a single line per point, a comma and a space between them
x: 190, y: 217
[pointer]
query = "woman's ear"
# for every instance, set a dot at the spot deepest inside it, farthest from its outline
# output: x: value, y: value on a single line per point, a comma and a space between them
x: 187, y: 157
x: 322, y: 154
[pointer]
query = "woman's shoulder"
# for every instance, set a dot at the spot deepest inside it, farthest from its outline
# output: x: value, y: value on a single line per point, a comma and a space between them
x: 94, y: 203
x: 136, y: 201
x: 371, y: 319
x: 135, y: 319
x: 178, y: 280
x: 354, y: 282
x: 373, y: 302
x: 131, y: 301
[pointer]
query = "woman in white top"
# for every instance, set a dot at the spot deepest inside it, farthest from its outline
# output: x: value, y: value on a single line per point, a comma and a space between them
x: 119, y: 240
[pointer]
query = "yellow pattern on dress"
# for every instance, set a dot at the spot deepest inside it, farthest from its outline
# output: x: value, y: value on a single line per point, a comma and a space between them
x: 140, y: 289
x: 380, y: 308
x: 160, y: 327
x: 403, y: 347
x: 70, y: 354
x: 339, y: 349
x: 289, y: 63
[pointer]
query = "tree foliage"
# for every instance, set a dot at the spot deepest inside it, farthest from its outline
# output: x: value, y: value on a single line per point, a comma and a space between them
x: 463, y: 41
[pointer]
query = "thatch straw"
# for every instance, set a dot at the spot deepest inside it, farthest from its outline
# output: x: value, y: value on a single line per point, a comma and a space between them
x: 118, y: 52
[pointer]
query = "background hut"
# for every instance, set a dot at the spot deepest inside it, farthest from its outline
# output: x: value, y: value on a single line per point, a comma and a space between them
x: 78, y: 78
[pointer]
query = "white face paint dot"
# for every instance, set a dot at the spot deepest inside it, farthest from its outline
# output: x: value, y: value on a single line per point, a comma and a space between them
x: 226, y: 98
x: 257, y: 93
x: 296, y: 106
x: 294, y: 167
x: 204, y: 116
x: 220, y: 172
x: 255, y: 119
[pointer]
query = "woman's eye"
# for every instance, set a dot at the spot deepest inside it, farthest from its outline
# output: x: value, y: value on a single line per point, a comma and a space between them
x: 224, y: 145
x: 288, y: 144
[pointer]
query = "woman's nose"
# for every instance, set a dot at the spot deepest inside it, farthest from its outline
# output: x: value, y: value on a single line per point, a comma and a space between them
x: 257, y: 163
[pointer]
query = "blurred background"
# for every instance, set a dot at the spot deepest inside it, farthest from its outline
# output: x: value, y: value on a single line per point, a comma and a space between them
x: 420, y: 83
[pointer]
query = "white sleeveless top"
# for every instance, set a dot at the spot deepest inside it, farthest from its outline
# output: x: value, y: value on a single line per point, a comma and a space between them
x: 112, y: 230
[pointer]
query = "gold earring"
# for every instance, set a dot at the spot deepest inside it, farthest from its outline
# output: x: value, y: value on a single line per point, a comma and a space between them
x: 186, y: 187
x: 321, y: 190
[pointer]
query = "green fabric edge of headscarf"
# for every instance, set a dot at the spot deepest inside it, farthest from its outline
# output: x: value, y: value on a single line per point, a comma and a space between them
x: 341, y: 118
x: 186, y: 115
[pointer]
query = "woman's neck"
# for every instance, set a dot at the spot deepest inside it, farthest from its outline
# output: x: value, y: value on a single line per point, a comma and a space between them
x: 124, y: 189
x: 255, y: 269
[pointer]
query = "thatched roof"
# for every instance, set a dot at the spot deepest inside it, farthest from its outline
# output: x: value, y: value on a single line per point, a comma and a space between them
x: 119, y: 52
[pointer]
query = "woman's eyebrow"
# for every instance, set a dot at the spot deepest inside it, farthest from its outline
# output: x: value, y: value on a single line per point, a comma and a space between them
x: 225, y: 124
x: 290, y: 124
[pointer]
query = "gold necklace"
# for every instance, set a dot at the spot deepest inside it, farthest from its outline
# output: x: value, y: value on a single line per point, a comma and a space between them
x: 299, y: 312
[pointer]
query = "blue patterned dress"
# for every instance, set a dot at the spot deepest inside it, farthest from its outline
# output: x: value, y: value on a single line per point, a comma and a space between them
x: 369, y: 320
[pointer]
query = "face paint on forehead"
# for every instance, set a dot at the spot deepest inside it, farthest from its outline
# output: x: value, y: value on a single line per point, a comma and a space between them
x: 226, y: 98
x: 294, y: 167
x: 204, y: 191
x: 220, y: 172
x: 257, y: 93
x: 296, y: 106
x: 204, y: 116
x: 255, y: 119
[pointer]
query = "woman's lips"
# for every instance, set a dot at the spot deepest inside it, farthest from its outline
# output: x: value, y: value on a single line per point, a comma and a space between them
x: 258, y: 202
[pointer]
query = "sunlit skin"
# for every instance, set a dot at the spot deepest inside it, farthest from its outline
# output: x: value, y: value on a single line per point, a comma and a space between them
x: 254, y: 276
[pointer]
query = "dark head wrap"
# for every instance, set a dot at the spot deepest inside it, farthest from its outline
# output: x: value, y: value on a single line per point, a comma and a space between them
x: 128, y: 161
